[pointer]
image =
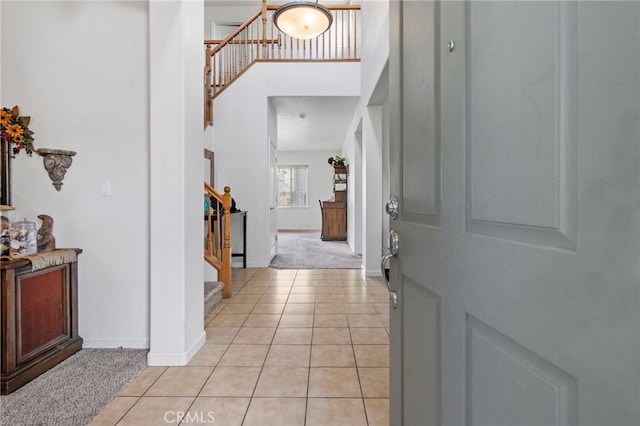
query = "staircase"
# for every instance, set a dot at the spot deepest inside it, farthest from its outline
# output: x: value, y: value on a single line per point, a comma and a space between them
x: 217, y: 250
x: 259, y: 40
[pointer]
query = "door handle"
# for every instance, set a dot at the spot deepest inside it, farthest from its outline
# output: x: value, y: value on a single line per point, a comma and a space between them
x: 393, y: 251
x: 392, y: 208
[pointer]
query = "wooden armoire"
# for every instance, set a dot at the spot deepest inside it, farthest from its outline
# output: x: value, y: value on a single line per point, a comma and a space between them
x: 334, y: 211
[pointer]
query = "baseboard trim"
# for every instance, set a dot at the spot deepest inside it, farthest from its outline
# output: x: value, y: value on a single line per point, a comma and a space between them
x: 254, y: 265
x: 115, y: 343
x: 176, y: 358
x: 371, y: 272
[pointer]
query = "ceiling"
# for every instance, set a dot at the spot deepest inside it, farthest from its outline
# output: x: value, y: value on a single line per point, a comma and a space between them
x: 313, y: 123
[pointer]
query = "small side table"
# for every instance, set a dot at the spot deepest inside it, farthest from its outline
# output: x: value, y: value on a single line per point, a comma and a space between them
x: 244, y: 240
x: 244, y: 235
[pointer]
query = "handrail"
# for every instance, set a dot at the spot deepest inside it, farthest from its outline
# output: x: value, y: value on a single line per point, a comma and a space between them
x: 259, y: 40
x: 217, y: 250
x: 237, y: 31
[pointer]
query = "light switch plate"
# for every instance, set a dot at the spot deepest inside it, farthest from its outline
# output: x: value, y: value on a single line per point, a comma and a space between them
x: 105, y: 187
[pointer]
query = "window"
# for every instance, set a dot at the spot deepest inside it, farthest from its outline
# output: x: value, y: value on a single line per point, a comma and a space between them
x: 293, y: 186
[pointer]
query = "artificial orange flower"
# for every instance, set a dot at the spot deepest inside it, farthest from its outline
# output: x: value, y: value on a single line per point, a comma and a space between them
x: 15, y: 131
x: 5, y: 117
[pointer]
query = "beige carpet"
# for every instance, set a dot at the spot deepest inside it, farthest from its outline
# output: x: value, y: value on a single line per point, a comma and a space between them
x: 75, y: 391
x: 305, y: 250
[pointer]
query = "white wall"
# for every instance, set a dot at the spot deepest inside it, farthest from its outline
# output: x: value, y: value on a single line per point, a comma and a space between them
x: 176, y: 176
x: 364, y: 144
x: 374, y: 137
x: 240, y: 133
x: 320, y: 188
x: 85, y: 86
x: 227, y: 15
x: 129, y: 101
x: 372, y: 202
x: 386, y: 172
x: 352, y: 149
x: 374, y: 43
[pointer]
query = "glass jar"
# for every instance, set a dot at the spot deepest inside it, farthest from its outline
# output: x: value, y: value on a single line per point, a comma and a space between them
x: 6, y: 215
x: 24, y: 238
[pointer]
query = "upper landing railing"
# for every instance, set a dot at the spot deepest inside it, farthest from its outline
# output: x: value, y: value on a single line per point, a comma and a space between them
x: 259, y: 39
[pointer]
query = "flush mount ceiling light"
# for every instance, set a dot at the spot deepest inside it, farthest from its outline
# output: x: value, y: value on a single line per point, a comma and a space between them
x: 302, y: 19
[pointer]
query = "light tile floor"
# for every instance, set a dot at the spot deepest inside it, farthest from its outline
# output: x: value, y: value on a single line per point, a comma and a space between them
x: 291, y: 347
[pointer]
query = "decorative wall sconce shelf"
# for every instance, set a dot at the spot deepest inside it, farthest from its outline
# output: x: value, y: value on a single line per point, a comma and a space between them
x: 56, y: 162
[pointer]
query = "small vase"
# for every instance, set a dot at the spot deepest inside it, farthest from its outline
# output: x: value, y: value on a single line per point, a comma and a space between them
x: 24, y: 238
x: 6, y: 217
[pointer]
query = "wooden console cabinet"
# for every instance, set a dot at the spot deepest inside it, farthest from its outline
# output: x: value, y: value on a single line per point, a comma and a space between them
x: 39, y: 320
x: 334, y: 212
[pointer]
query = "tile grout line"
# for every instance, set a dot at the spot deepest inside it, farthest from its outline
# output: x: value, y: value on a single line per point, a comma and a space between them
x: 341, y: 279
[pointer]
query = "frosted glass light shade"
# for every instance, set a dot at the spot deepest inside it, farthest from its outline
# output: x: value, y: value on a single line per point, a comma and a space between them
x: 302, y: 19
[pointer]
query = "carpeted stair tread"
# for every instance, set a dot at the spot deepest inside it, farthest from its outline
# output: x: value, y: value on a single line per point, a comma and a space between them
x: 212, y: 295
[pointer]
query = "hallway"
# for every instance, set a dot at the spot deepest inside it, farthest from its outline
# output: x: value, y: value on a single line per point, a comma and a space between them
x: 292, y: 347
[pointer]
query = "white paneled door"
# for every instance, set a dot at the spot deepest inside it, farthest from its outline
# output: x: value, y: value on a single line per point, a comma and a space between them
x: 515, y: 158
